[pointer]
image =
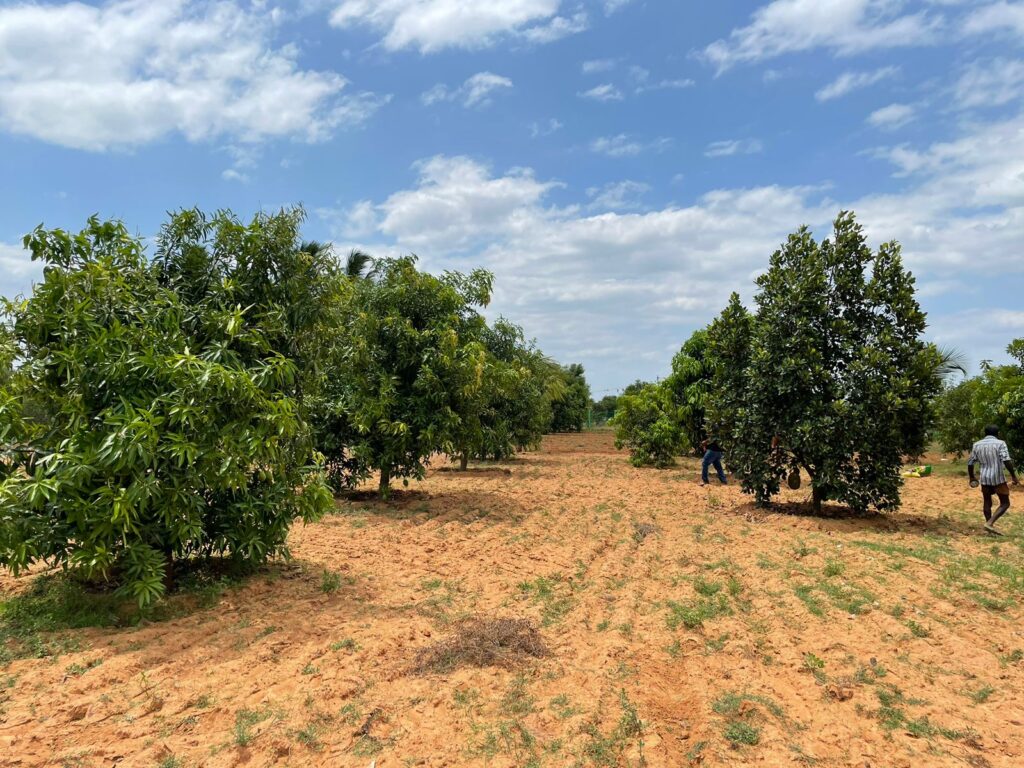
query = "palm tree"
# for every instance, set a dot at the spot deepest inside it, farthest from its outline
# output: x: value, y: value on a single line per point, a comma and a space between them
x: 358, y: 265
x: 949, y: 360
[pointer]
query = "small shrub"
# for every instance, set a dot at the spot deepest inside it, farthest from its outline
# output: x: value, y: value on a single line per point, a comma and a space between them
x: 330, y: 582
x: 738, y: 733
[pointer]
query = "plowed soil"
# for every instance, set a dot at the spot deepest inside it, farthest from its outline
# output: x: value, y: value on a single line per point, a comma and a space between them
x: 683, y: 627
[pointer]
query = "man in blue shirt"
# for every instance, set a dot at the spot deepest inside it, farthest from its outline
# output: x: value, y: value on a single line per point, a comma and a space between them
x: 993, y: 455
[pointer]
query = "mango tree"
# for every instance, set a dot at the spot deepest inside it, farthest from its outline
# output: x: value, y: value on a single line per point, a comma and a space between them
x: 167, y: 423
x: 410, y: 349
x: 830, y: 375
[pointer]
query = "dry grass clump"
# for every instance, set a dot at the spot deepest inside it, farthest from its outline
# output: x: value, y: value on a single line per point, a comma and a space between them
x: 483, y: 642
x: 642, y: 530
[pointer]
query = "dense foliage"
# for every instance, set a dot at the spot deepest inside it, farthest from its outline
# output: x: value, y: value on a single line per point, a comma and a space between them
x: 569, y: 413
x: 647, y: 423
x: 688, y: 386
x: 165, y: 398
x: 518, y: 389
x: 995, y: 397
x: 830, y: 375
x: 412, y: 361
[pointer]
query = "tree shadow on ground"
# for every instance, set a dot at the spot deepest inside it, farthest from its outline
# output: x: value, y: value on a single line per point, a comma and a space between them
x: 839, y: 518
x: 479, y: 471
x: 456, y: 506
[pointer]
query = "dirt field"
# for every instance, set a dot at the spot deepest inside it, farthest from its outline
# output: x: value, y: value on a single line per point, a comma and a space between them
x: 683, y: 627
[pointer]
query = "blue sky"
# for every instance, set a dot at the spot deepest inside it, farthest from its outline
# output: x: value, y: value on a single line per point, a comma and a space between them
x: 620, y: 165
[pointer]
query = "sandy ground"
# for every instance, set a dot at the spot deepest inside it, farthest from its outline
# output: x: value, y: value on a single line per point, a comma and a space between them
x: 880, y: 641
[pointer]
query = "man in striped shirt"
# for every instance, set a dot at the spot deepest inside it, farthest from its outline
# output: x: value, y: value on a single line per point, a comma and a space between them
x: 992, y: 454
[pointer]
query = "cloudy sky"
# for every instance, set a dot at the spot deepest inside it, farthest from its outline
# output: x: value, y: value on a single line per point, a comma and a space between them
x: 620, y: 165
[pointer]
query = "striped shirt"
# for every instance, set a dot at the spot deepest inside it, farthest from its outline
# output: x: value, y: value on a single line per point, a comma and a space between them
x: 990, y: 453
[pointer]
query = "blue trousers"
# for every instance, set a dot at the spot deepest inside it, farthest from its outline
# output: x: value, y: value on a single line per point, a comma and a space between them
x: 712, y: 459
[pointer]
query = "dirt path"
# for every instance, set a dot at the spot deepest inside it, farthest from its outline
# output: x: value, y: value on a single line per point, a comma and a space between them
x: 685, y: 627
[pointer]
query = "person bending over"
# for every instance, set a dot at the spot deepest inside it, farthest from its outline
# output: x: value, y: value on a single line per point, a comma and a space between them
x: 993, y: 456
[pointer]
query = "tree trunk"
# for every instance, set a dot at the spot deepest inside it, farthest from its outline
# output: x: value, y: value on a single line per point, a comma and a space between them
x: 818, y: 497
x: 385, y: 481
x: 464, y: 461
x: 168, y: 569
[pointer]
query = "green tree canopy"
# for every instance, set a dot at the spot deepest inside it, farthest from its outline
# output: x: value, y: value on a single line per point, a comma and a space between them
x: 647, y: 423
x: 834, y: 378
x: 570, y: 410
x: 995, y: 397
x: 410, y: 345
x: 167, y: 392
x: 688, y: 386
x: 515, y: 404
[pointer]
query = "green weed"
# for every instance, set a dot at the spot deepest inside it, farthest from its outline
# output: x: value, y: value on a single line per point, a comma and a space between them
x: 693, y: 614
x: 738, y: 733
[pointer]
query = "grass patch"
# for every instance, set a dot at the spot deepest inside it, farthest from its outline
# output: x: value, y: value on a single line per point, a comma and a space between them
x: 36, y: 623
x: 563, y: 707
x: 245, y: 720
x: 815, y: 666
x: 834, y: 568
x: 309, y: 736
x: 731, y: 704
x: 918, y: 630
x: 925, y: 554
x: 330, y: 582
x: 517, y: 701
x: 981, y: 695
x: 552, y: 593
x: 608, y: 749
x: 694, y: 613
x: 739, y: 733
x: 80, y: 669
x: 707, y: 588
x: 806, y: 594
x: 348, y: 644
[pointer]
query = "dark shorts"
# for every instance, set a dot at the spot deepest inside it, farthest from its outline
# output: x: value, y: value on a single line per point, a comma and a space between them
x: 1003, y: 489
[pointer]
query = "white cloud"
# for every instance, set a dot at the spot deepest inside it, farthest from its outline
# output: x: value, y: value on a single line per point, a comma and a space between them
x: 603, y: 92
x: 617, y: 196
x: 990, y: 83
x: 733, y: 147
x: 358, y: 221
x: 127, y: 72
x: 843, y: 26
x: 639, y: 74
x: 474, y: 92
x: 667, y: 85
x: 623, y: 145
x: 852, y: 81
x: 611, y: 6
x: 545, y: 128
x: 606, y: 275
x: 996, y: 17
x: 597, y: 65
x: 457, y: 202
x: 892, y: 117
x: 231, y: 174
x: 557, y: 28
x: 433, y: 25
x: 17, y: 270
